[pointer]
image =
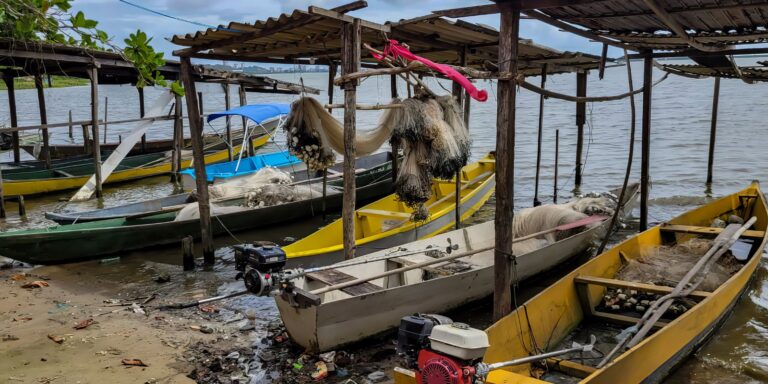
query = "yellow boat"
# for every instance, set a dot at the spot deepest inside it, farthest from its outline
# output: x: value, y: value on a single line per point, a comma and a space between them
x: 386, y: 223
x: 73, y: 175
x: 570, y: 309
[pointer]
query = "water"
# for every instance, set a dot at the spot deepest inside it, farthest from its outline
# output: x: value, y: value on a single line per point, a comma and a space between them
x: 681, y: 112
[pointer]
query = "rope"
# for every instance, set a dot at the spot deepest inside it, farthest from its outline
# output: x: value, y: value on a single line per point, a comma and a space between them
x: 179, y: 18
x: 533, y: 88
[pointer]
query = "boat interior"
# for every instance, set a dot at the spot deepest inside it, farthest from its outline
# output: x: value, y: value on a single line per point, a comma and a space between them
x: 605, y: 297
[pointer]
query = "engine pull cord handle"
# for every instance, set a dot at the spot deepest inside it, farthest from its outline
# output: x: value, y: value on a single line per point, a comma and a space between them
x: 482, y: 370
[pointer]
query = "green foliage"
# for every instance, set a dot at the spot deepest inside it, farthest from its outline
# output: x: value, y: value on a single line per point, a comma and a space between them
x: 50, y: 21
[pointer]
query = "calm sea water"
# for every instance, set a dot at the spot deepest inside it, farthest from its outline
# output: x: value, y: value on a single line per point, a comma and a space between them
x: 681, y: 111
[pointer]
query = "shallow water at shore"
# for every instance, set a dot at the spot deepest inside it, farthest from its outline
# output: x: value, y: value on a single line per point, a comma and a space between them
x: 681, y: 110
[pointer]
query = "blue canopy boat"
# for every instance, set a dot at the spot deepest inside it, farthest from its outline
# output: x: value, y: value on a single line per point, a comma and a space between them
x: 261, y: 114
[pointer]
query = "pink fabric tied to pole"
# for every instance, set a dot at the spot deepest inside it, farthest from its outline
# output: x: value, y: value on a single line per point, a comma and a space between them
x: 395, y: 50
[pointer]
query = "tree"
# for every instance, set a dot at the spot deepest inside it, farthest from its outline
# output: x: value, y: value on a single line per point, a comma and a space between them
x: 50, y: 21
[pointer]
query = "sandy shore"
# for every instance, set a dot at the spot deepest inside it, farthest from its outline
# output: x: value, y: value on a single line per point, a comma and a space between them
x: 29, y: 315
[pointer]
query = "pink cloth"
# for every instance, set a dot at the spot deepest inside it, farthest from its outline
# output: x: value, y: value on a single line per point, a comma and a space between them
x: 395, y: 50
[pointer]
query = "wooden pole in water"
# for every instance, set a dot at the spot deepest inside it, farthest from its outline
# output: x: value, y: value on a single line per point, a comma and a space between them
x: 557, y: 157
x: 202, y: 111
x: 713, y: 130
x: 243, y: 101
x: 331, y: 76
x: 581, y: 118
x: 10, y: 85
x: 2, y: 196
x: 196, y: 132
x: 457, y: 92
x: 46, y: 154
x: 536, y: 201
x: 646, y: 139
x: 178, y: 139
x: 70, y: 125
x: 394, y: 145
x: 350, y: 55
x: 106, y: 108
x: 504, y: 259
x: 93, y: 73
x: 141, y: 114
x: 188, y: 253
x: 227, y: 105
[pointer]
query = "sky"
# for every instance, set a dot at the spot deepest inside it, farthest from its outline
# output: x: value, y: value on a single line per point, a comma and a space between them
x: 119, y: 19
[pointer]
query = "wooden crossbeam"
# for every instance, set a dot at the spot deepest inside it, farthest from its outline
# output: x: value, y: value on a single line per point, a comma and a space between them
x: 622, y: 320
x: 613, y: 283
x: 707, y: 231
x: 570, y: 368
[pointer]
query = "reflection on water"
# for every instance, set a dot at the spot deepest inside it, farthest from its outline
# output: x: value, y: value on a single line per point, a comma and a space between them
x: 680, y: 137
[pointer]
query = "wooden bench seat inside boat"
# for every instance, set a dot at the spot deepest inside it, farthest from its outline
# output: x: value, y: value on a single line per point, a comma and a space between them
x: 623, y: 284
x: 383, y: 213
x: 333, y: 276
x: 570, y: 368
x: 707, y: 231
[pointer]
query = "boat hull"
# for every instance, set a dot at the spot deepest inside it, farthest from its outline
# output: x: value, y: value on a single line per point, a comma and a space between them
x: 338, y: 322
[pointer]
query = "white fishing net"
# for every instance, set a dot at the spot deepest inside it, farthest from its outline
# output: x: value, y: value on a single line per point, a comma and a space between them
x: 241, y: 185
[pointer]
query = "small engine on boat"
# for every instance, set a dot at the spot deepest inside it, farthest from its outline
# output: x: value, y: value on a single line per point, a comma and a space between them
x: 260, y: 266
x: 441, y: 351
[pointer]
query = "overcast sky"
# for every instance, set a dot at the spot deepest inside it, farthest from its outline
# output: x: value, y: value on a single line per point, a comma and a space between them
x: 119, y: 19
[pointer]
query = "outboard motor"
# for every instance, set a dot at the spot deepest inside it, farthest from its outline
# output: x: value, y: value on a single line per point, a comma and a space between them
x: 260, y: 265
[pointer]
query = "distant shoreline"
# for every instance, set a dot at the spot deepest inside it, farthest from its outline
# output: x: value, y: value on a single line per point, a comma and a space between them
x: 28, y: 82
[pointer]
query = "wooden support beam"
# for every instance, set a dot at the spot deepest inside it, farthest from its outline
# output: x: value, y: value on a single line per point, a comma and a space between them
x: 141, y: 114
x: 10, y: 85
x: 575, y: 30
x: 106, y: 113
x: 679, y: 29
x: 505, y: 146
x: 557, y: 156
x: 228, y: 119
x: 93, y: 73
x: 536, y: 201
x: 570, y: 368
x: 196, y: 132
x: 631, y: 285
x: 2, y: 196
x: 71, y: 134
x: 244, y: 101
x: 713, y: 130
x: 331, y: 75
x: 581, y: 119
x: 457, y: 91
x: 623, y: 320
x: 178, y: 139
x: 696, y: 53
x: 603, y: 59
x: 394, y: 144
x: 46, y: 153
x: 350, y: 55
x: 646, y: 143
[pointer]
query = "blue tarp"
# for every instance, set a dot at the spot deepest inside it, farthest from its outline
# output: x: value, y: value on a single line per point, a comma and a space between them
x: 257, y: 112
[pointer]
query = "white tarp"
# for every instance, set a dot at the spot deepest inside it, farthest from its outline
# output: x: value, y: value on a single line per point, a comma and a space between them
x: 157, y: 108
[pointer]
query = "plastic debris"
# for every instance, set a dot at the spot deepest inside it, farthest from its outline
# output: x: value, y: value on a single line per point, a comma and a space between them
x: 321, y: 371
x: 56, y: 339
x: 377, y: 376
x: 134, y: 363
x: 35, y: 284
x: 84, y: 324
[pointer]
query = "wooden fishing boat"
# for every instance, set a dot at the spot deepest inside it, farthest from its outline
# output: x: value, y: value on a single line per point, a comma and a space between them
x: 363, y: 310
x: 73, y: 174
x: 175, y: 202
x: 68, y: 243
x: 386, y: 223
x: 572, y: 306
x: 225, y: 171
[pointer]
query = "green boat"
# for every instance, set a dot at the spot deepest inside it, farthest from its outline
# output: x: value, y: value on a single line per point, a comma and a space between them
x: 92, y: 240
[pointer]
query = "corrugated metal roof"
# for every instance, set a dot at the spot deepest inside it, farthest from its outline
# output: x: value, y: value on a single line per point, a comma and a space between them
x: 747, y: 73
x: 713, y: 22
x: 307, y: 38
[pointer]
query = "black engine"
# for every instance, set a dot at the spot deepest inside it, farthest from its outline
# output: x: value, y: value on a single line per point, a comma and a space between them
x: 259, y: 266
x: 413, y: 335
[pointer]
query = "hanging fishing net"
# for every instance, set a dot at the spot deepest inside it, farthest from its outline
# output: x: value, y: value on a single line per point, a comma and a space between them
x: 431, y: 132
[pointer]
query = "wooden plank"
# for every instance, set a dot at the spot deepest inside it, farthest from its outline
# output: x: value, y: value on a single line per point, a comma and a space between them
x: 505, y: 147
x: 331, y: 14
x: 196, y: 132
x: 570, y: 368
x: 613, y: 283
x: 623, y: 320
x: 333, y: 276
x: 707, y: 231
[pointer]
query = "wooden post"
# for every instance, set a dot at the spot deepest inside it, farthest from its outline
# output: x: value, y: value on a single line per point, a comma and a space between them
x: 243, y: 101
x: 188, y: 253
x: 106, y: 108
x: 350, y: 56
x: 713, y: 130
x: 22, y: 206
x: 86, y: 139
x: 70, y: 125
x: 2, y: 196
x: 581, y: 119
x: 178, y: 139
x: 141, y: 114
x: 536, y: 201
x: 646, y: 138
x: 395, y: 146
x: 9, y: 84
x: 227, y: 105
x: 505, y: 147
x: 202, y: 111
x: 93, y: 73
x: 46, y: 154
x: 557, y: 157
x: 196, y: 132
x: 603, y: 59
x: 331, y: 76
x: 457, y: 91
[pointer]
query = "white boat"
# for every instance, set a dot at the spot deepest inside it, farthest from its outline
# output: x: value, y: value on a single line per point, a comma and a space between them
x: 354, y: 313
